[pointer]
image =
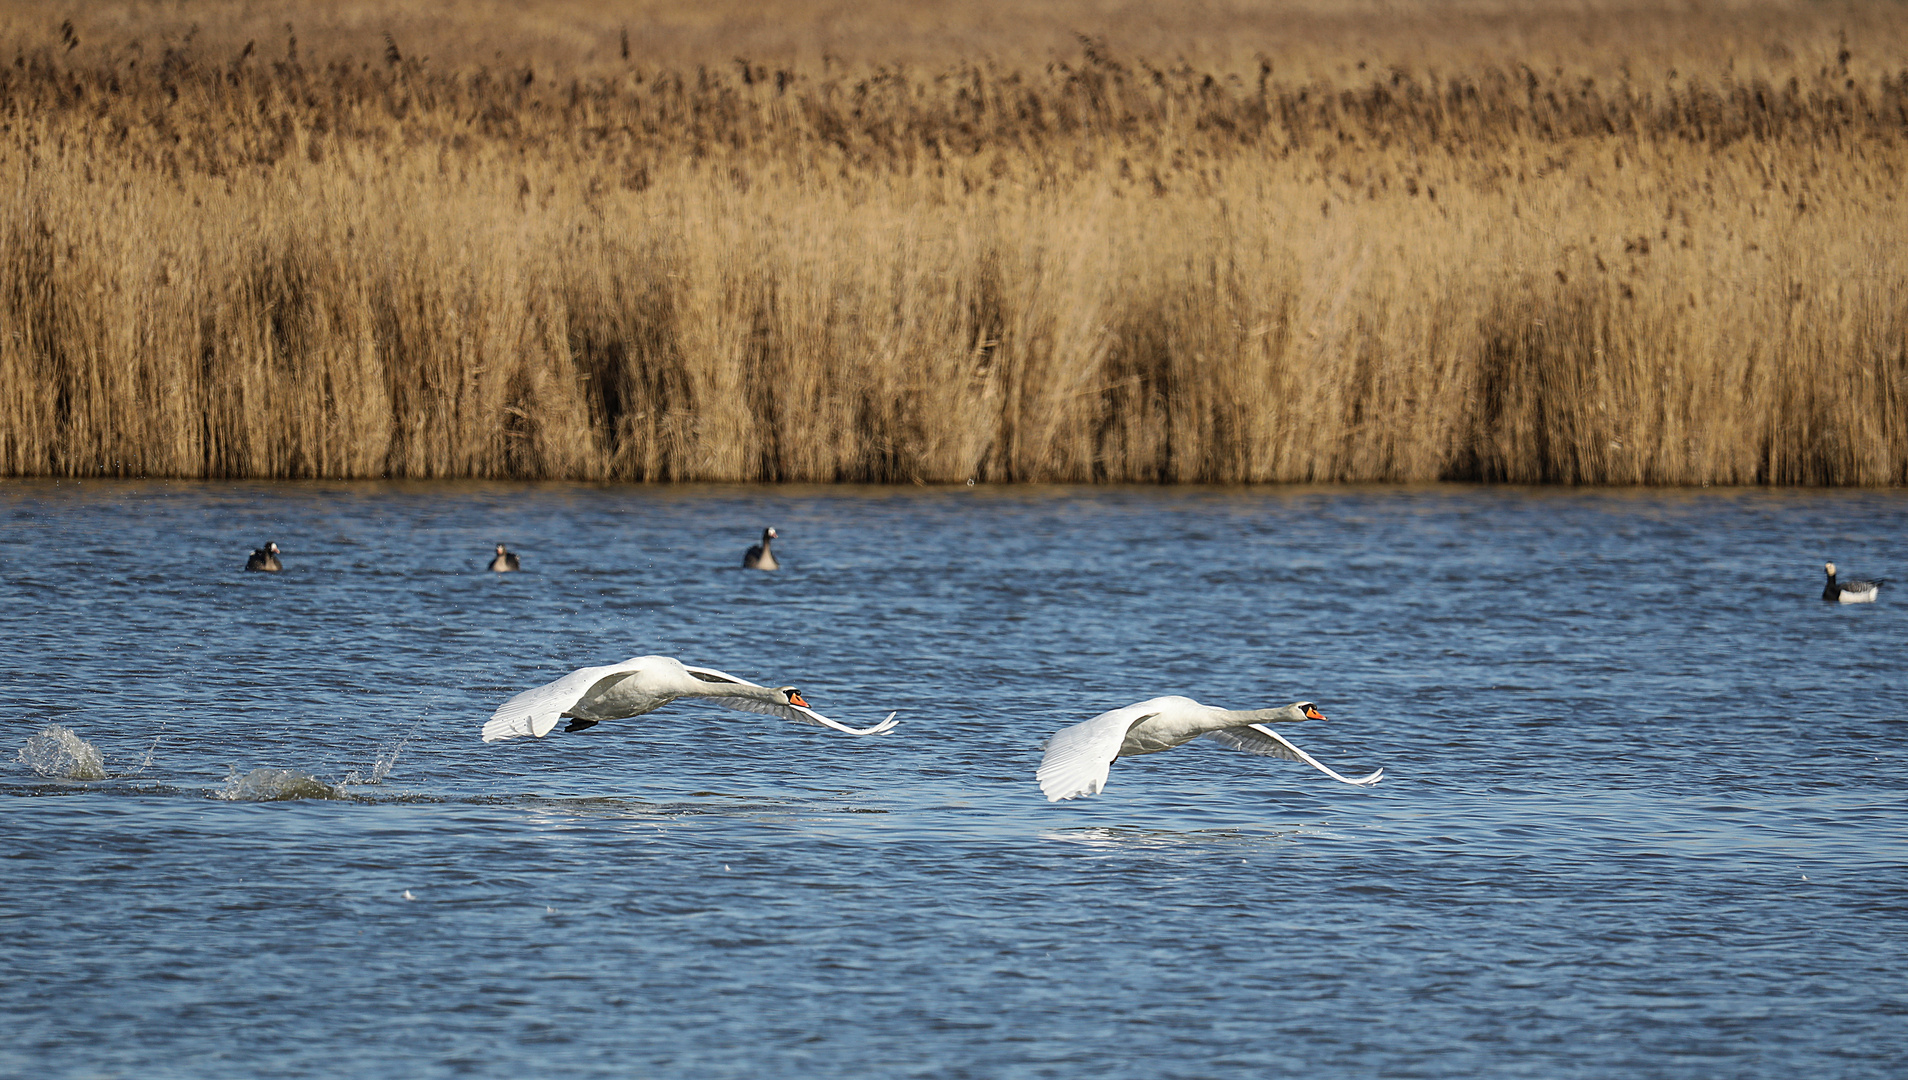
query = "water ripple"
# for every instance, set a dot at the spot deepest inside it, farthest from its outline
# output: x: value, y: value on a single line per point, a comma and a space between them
x: 1643, y: 813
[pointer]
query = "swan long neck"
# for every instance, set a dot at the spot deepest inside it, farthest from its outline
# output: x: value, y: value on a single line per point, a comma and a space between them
x: 1285, y: 714
x: 736, y: 690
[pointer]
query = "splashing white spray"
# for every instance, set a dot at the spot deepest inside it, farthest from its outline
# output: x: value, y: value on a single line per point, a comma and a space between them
x: 275, y: 785
x: 381, y: 766
x: 150, y: 751
x: 57, y: 752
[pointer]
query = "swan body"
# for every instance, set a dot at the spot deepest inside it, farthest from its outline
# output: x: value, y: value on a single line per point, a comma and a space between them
x: 643, y: 684
x: 1079, y: 757
x: 265, y: 559
x: 505, y: 561
x: 1850, y: 592
x: 758, y: 557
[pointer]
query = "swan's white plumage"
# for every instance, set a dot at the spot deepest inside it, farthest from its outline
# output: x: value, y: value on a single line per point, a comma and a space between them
x: 537, y: 710
x: 1078, y: 759
x: 639, y: 685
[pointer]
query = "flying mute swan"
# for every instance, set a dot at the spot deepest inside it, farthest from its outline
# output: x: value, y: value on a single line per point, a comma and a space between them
x: 505, y: 561
x: 1079, y: 757
x: 758, y: 557
x: 1850, y: 592
x: 265, y: 559
x: 643, y: 684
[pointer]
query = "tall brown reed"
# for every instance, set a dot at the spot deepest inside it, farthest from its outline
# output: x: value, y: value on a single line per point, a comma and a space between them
x: 1100, y: 268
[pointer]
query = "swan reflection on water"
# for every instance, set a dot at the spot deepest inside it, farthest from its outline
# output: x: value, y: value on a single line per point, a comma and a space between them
x: 1130, y: 837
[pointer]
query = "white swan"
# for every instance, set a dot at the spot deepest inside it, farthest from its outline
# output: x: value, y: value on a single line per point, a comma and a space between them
x: 1078, y: 758
x: 643, y: 684
x: 1850, y: 592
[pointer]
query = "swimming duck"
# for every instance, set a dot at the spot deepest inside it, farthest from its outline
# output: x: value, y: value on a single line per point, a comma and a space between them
x: 758, y: 557
x: 1850, y: 592
x: 265, y: 559
x: 505, y: 561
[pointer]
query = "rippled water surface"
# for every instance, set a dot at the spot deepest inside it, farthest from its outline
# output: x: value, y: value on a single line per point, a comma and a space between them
x: 1645, y: 810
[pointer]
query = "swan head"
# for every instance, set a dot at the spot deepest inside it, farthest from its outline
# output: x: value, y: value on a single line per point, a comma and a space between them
x: 793, y: 695
x: 1305, y: 710
x: 1830, y: 567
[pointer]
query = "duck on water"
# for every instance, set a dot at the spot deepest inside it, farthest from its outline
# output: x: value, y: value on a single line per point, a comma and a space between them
x: 1850, y: 592
x: 758, y: 557
x: 265, y: 559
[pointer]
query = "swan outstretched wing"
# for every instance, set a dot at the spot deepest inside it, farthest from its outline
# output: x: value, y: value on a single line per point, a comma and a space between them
x: 797, y: 713
x: 1259, y: 739
x: 800, y: 715
x: 711, y: 675
x: 536, y: 711
x: 1078, y: 757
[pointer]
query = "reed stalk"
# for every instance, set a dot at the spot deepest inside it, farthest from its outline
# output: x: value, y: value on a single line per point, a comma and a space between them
x: 298, y: 260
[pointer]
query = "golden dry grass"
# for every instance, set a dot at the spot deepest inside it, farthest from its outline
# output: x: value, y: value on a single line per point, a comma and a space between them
x: 1617, y: 244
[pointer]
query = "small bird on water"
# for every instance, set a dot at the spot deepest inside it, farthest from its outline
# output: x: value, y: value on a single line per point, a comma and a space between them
x: 505, y: 561
x: 265, y: 559
x: 758, y: 557
x: 1850, y: 592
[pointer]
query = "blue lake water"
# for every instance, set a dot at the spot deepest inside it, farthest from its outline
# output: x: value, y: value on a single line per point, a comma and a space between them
x: 1645, y: 811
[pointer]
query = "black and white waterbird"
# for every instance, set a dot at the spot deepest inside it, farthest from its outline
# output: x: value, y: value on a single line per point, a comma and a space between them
x: 1850, y: 592
x: 265, y: 559
x: 1078, y: 758
x: 758, y: 557
x: 505, y: 561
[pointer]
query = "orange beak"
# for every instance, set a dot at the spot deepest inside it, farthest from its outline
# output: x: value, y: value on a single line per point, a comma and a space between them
x: 795, y: 698
x: 1312, y: 713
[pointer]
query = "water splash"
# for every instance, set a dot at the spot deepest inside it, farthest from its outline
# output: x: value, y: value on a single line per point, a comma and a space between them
x: 150, y: 751
x: 276, y: 785
x: 381, y: 766
x: 57, y: 752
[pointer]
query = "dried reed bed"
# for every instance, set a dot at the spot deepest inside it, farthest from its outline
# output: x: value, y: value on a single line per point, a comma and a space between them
x: 215, y: 262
